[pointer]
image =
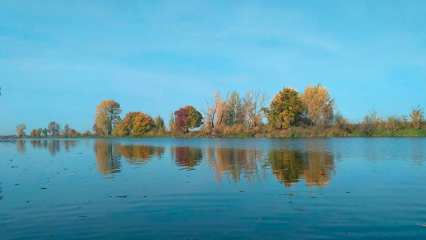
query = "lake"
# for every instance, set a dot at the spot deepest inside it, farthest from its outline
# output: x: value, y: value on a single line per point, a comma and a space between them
x: 167, y: 188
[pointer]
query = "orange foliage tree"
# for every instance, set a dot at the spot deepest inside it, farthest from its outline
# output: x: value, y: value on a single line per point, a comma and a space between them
x: 134, y: 124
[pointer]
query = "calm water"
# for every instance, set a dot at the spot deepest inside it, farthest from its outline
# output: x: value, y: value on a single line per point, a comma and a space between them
x: 164, y: 188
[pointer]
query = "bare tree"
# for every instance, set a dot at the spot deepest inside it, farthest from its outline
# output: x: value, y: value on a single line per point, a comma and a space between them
x: 253, y: 104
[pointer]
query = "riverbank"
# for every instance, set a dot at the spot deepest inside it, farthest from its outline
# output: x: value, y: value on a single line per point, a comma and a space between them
x: 295, y: 132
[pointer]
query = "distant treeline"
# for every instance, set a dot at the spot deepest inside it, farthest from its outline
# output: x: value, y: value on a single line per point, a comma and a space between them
x: 289, y: 114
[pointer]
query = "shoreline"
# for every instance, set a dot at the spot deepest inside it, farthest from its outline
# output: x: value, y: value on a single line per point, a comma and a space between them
x: 209, y: 137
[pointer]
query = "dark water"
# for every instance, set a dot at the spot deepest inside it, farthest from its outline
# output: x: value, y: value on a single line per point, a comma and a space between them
x: 164, y: 188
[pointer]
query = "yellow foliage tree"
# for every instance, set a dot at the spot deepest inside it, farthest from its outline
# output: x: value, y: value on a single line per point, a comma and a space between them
x: 107, y: 115
x: 319, y: 105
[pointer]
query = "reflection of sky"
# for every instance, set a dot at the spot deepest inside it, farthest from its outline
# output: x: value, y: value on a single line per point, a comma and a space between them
x: 157, y: 56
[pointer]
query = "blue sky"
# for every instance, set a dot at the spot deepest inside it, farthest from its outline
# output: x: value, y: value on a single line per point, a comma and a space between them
x: 59, y: 59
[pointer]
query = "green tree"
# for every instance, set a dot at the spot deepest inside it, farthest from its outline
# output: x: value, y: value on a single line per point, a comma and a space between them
x: 286, y: 109
x: 195, y: 117
x: 45, y: 132
x: 159, y: 124
x: 107, y: 115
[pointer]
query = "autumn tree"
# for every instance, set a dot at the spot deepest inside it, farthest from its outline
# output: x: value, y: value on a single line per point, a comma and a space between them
x: 107, y: 115
x: 36, y: 132
x: 33, y: 133
x: 53, y: 129
x: 20, y: 130
x: 319, y: 105
x: 286, y: 109
x: 187, y: 118
x: 417, y: 118
x: 134, y: 124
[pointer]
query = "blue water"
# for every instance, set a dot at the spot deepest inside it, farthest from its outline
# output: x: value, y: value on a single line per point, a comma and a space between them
x: 167, y: 188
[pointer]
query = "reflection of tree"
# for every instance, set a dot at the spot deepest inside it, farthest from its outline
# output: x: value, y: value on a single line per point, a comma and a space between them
x: 20, y: 146
x: 139, y: 153
x: 53, y: 146
x: 187, y: 157
x: 289, y: 166
x: 234, y: 162
x: 68, y: 144
x: 319, y: 168
x: 108, y: 160
x: 286, y: 165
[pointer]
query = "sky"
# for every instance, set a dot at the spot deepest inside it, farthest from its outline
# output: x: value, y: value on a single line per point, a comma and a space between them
x: 59, y: 59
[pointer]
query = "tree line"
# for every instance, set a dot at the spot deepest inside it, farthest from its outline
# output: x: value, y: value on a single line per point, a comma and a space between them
x: 289, y: 114
x: 53, y: 129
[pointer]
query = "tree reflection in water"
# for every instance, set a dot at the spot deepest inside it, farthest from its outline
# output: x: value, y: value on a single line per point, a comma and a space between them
x: 107, y: 158
x: 20, y: 146
x: 290, y: 166
x: 53, y: 145
x: 139, y: 153
x: 235, y: 162
x: 312, y: 164
x: 187, y: 157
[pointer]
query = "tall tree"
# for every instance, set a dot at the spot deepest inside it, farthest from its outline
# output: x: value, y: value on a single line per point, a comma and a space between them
x: 319, y: 105
x: 107, y: 115
x: 286, y: 109
x: 20, y: 130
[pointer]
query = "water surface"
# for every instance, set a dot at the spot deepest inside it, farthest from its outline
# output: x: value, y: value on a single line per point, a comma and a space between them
x: 165, y: 188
